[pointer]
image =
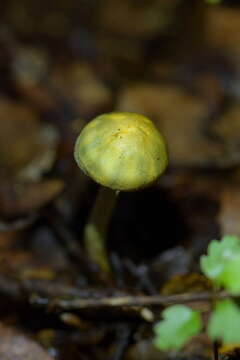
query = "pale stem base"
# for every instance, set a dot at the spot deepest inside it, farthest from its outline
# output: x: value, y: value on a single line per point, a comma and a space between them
x: 95, y: 232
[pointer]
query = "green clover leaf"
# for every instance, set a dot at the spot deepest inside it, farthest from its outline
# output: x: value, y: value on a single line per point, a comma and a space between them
x: 224, y: 323
x: 179, y: 324
x: 222, y: 263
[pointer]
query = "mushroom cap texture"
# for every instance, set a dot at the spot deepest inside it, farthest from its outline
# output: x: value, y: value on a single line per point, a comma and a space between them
x: 121, y: 150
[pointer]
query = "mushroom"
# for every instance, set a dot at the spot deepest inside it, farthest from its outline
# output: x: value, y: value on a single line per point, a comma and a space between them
x: 122, y: 151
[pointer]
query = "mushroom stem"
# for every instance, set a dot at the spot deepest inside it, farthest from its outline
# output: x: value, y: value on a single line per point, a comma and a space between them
x: 95, y: 232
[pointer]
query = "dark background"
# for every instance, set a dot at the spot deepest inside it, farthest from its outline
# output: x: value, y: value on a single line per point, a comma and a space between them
x: 61, y: 64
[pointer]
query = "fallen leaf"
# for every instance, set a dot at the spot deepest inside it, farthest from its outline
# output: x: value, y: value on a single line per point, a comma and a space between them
x: 81, y: 87
x: 22, y: 198
x: 179, y: 116
x: 27, y: 148
x: 229, y: 215
x: 124, y: 17
x: 223, y: 30
x: 15, y: 345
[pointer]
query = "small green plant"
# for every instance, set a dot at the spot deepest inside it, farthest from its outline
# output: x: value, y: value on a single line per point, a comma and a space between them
x: 221, y: 265
x: 174, y: 334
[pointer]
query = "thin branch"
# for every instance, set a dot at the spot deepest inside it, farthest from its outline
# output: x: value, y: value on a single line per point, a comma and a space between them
x: 72, y: 298
x: 124, y: 339
x: 134, y: 301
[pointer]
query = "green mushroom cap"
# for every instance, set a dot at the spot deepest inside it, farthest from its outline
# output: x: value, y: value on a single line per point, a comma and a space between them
x: 121, y: 150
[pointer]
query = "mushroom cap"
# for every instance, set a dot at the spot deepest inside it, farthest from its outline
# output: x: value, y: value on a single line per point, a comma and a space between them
x: 121, y: 150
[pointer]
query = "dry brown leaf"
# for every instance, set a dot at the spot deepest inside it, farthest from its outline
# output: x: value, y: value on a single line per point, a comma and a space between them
x: 81, y: 87
x: 15, y: 261
x: 186, y: 283
x: 19, y: 199
x: 179, y: 115
x: 27, y: 148
x: 19, y: 136
x: 145, y: 350
x: 229, y: 216
x: 126, y: 17
x: 223, y: 30
x: 15, y: 345
x: 227, y: 129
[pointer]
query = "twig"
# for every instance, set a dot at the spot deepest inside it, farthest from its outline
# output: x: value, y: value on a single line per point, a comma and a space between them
x: 136, y: 301
x: 124, y: 337
x: 141, y: 272
x: 72, y: 298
